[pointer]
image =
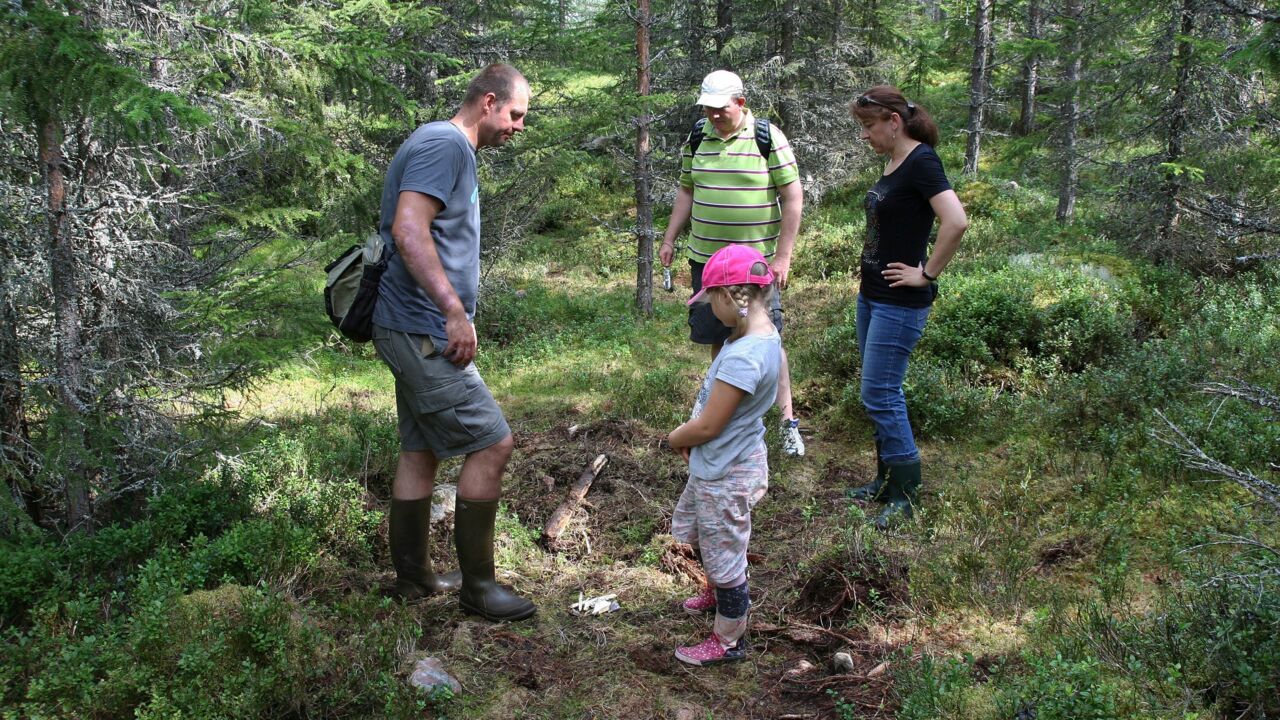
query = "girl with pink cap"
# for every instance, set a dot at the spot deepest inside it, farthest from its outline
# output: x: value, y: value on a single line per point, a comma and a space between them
x: 723, y: 441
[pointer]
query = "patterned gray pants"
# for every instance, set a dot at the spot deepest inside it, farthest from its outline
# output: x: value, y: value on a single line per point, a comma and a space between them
x: 715, y: 515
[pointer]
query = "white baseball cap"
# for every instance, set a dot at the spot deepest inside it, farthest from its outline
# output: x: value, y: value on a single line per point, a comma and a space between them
x: 718, y: 89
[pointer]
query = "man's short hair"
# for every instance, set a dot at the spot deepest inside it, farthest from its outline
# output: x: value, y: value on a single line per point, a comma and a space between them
x: 499, y: 78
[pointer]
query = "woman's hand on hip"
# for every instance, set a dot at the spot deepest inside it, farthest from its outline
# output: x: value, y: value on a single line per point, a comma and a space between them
x: 904, y: 275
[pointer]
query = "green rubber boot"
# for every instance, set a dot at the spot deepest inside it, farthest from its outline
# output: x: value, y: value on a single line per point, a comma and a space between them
x: 410, y: 540
x: 873, y: 490
x: 480, y: 593
x: 901, y: 493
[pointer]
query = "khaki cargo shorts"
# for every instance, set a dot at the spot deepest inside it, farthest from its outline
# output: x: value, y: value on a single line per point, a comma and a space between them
x: 442, y: 408
x: 715, y: 515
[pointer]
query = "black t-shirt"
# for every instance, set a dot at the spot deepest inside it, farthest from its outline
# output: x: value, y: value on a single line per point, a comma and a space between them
x: 899, y: 221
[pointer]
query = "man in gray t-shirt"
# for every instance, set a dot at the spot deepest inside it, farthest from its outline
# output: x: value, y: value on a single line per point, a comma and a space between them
x: 437, y: 161
x: 423, y: 331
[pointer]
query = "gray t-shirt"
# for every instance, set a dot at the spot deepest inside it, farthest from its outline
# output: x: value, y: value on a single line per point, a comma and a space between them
x: 436, y: 160
x: 749, y: 363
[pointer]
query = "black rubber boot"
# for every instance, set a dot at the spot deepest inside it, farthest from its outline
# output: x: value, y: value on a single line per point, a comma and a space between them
x: 901, y: 493
x: 480, y: 593
x: 410, y: 540
x: 873, y: 490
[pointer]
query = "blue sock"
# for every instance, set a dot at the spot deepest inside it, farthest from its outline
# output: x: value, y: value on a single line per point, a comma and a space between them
x: 732, y: 603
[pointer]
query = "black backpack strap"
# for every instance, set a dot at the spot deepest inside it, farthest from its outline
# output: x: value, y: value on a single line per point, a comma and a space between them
x: 764, y: 139
x: 696, y: 134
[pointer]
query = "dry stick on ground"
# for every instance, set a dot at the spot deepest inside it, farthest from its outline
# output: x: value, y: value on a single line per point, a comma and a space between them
x: 560, y: 518
x: 809, y: 634
x: 1196, y: 459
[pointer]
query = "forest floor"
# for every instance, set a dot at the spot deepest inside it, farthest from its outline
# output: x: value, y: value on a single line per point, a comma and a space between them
x: 822, y: 580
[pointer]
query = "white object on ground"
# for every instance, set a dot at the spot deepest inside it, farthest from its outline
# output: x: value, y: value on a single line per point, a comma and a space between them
x: 444, y: 500
x: 843, y: 661
x: 595, y: 605
x: 429, y: 674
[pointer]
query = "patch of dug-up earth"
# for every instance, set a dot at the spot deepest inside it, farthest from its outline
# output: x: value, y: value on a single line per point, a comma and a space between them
x: 628, y: 502
x: 820, y: 622
x: 801, y: 618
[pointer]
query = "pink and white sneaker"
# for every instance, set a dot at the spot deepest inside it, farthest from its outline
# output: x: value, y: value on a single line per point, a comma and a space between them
x: 712, y: 652
x: 703, y: 602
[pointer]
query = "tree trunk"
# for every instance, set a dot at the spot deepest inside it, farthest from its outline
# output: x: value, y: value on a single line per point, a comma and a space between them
x: 787, y: 30
x: 1071, y: 115
x: 1031, y: 69
x: 979, y: 75
x: 68, y: 326
x: 16, y: 467
x: 837, y: 21
x: 15, y: 436
x: 1177, y: 133
x: 424, y: 83
x: 932, y: 9
x: 643, y: 172
x: 787, y: 33
x: 695, y: 40
x: 724, y: 26
x: 871, y: 21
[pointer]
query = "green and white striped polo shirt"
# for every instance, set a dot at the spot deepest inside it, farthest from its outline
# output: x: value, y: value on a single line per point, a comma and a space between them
x: 735, y: 191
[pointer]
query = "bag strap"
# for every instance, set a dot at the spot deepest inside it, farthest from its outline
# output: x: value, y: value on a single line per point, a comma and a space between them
x: 696, y: 134
x: 764, y: 137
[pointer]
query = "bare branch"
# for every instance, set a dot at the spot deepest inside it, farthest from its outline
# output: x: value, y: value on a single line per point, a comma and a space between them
x: 1244, y: 391
x: 1249, y: 259
x: 1255, y: 13
x: 1197, y: 459
x: 1233, y: 214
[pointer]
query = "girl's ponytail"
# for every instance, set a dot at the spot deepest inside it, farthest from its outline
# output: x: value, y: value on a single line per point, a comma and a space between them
x: 744, y: 295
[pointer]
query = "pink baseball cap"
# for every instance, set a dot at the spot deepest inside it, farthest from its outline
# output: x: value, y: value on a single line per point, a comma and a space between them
x: 731, y: 265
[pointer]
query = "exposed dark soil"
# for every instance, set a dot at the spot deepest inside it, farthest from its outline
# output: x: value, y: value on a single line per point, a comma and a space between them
x: 838, y: 585
x: 627, y: 502
x: 1063, y: 552
x: 802, y: 617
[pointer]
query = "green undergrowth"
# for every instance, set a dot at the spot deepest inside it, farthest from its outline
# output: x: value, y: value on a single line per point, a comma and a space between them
x: 1064, y: 561
x: 222, y: 600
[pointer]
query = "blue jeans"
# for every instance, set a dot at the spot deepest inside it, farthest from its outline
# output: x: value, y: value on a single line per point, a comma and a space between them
x: 886, y: 336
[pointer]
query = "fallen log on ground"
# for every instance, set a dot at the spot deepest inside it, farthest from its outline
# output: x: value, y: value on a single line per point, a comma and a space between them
x: 560, y: 518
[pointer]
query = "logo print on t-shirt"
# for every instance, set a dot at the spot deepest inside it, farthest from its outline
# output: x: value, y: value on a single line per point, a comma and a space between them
x: 871, y: 246
x: 704, y: 392
x: 475, y: 194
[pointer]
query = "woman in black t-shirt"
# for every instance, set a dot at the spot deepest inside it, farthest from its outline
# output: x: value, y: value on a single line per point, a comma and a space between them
x: 899, y: 280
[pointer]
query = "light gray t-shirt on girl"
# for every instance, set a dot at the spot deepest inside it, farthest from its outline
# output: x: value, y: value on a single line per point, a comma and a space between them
x: 751, y: 364
x: 436, y: 160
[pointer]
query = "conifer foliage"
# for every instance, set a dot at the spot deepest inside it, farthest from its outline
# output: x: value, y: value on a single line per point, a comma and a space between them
x: 159, y: 161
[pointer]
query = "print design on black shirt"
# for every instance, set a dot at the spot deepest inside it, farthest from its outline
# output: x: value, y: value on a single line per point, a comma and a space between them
x: 871, y: 248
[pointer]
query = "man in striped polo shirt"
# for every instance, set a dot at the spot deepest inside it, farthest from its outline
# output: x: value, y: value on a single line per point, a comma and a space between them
x: 735, y: 195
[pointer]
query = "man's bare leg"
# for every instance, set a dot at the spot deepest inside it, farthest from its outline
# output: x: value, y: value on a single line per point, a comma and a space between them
x: 415, y: 475
x: 792, y: 443
x: 784, y: 388
x: 479, y: 487
x: 409, y: 528
x: 481, y: 476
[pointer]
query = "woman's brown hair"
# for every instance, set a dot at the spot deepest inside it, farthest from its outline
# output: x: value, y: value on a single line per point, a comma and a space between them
x: 879, y: 102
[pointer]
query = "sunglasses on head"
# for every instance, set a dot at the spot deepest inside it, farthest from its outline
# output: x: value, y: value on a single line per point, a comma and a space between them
x: 864, y: 101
